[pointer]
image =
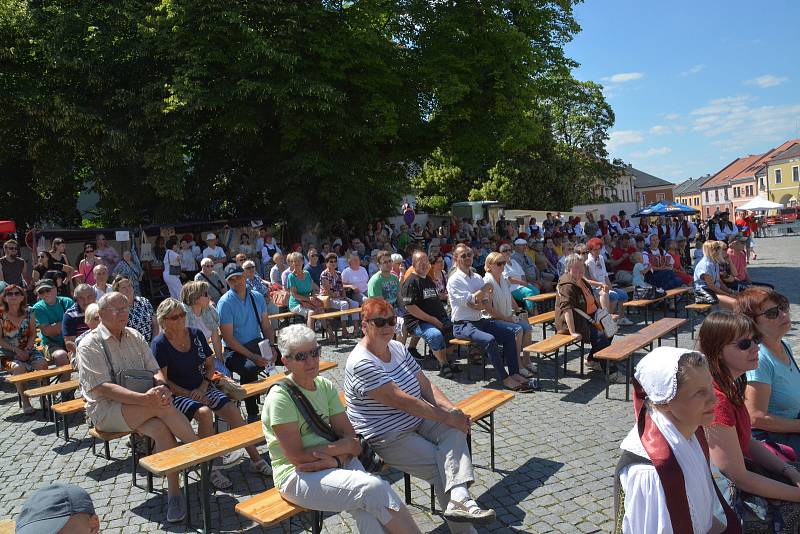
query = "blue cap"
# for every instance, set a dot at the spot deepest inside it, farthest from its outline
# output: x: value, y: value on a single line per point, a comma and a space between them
x: 49, y: 508
x: 233, y: 269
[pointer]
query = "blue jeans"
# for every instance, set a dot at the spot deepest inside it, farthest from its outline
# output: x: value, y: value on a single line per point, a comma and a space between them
x: 248, y: 372
x: 434, y: 337
x: 618, y: 295
x: 521, y: 292
x: 490, y: 334
x: 599, y: 341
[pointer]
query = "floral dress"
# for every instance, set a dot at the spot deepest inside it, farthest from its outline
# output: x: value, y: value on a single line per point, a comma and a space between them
x: 140, y: 318
x: 18, y: 335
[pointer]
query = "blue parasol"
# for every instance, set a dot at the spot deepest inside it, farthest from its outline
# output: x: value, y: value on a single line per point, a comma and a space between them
x: 667, y: 208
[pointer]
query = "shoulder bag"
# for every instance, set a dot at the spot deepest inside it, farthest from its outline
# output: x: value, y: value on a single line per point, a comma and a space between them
x: 602, y: 320
x: 371, y: 460
x: 138, y: 380
x: 174, y: 270
x: 219, y: 288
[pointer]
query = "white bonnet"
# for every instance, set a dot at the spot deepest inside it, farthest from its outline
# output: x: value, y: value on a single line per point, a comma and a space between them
x: 657, y: 373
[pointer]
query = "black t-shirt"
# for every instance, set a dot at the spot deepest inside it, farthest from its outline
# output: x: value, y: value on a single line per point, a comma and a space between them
x: 421, y: 292
x: 183, y: 368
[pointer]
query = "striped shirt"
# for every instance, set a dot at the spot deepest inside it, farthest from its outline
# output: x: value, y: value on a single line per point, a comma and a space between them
x: 363, y: 373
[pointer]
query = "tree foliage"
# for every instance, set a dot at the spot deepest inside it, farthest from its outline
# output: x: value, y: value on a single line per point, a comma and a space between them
x: 177, y: 110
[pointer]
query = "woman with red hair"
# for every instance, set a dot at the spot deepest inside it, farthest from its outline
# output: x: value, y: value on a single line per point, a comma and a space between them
x: 407, y: 419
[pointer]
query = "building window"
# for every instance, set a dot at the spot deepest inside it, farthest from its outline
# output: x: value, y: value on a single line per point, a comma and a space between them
x: 706, y: 196
x: 716, y: 195
x: 748, y: 190
x: 796, y: 174
x: 736, y: 192
x: 660, y: 196
x: 761, y: 184
x: 778, y: 176
x: 726, y: 193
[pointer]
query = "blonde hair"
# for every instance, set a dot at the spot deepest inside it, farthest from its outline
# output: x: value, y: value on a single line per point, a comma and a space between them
x: 165, y: 308
x: 492, y: 259
x: 92, y: 312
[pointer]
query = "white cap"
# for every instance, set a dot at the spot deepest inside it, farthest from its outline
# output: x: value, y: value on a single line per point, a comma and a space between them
x: 657, y: 373
x: 210, y: 236
x: 520, y: 241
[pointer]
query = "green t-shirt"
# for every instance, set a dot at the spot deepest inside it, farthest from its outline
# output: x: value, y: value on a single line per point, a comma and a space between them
x: 386, y: 288
x: 304, y: 287
x: 279, y: 408
x: 46, y: 314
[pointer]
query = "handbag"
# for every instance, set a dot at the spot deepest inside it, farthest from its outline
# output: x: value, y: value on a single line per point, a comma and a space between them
x: 231, y: 389
x: 138, y: 380
x: 370, y: 460
x: 174, y: 270
x: 602, y: 320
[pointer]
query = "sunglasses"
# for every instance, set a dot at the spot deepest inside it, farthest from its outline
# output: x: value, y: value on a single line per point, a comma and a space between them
x: 465, y: 255
x: 175, y: 317
x: 13, y: 293
x: 504, y: 250
x: 303, y: 356
x: 500, y: 263
x: 745, y: 344
x: 331, y: 261
x: 380, y: 322
x: 773, y: 312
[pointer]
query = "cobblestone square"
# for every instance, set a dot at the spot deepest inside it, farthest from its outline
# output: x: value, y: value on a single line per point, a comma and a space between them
x: 555, y: 450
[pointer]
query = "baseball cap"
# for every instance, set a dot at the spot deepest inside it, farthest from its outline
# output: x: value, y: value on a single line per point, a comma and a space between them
x: 44, y: 283
x: 520, y: 241
x: 210, y: 236
x: 233, y: 269
x: 49, y: 508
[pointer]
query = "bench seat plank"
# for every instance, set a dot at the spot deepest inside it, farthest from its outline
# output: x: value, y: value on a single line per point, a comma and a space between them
x: 260, y: 387
x: 547, y: 317
x: 69, y: 407
x: 661, y: 327
x: 52, y: 389
x: 267, y: 508
x: 541, y: 297
x: 40, y: 375
x: 552, y: 343
x: 484, y: 402
x: 335, y: 314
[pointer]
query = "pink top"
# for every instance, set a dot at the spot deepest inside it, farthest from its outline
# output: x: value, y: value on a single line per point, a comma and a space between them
x: 738, y: 260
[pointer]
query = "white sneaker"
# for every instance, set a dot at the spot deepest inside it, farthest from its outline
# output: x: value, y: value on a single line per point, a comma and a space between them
x: 594, y: 365
x: 624, y: 321
x: 233, y: 458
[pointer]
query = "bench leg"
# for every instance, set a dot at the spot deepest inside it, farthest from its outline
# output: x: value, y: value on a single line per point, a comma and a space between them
x: 407, y: 485
x: 66, y: 427
x: 690, y: 315
x: 108, y: 450
x: 433, y: 500
x: 582, y: 352
x: 608, y: 365
x: 186, y: 498
x: 134, y: 458
x: 676, y: 338
x: 629, y: 365
x: 316, y: 527
x: 94, y: 442
x: 205, y: 500
x: 491, y: 439
x: 555, y: 370
x: 150, y: 446
x: 56, y: 424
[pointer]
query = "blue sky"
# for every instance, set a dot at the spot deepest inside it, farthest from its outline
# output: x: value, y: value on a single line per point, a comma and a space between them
x: 693, y: 84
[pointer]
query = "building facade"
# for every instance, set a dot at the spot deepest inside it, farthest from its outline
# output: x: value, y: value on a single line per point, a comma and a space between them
x: 688, y: 192
x: 781, y: 175
x: 648, y: 188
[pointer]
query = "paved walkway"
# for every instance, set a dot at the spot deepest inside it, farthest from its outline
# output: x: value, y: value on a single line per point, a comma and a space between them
x: 555, y: 451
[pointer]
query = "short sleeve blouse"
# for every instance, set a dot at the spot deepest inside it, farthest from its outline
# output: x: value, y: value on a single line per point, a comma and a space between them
x: 728, y: 414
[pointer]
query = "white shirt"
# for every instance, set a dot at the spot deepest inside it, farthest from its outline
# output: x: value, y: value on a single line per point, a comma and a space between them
x: 214, y: 253
x: 722, y: 234
x: 100, y: 292
x: 596, y: 268
x: 460, y: 288
x: 677, y: 230
x: 358, y: 277
x: 515, y: 270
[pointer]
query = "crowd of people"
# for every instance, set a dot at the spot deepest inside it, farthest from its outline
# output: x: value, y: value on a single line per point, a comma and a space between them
x: 458, y: 280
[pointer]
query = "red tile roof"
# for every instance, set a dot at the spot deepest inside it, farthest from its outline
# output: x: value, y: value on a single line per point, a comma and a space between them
x: 747, y: 166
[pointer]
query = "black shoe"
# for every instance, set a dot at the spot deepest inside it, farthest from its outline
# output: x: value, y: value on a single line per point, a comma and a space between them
x: 455, y: 368
x: 445, y: 371
x: 415, y: 353
x: 67, y: 396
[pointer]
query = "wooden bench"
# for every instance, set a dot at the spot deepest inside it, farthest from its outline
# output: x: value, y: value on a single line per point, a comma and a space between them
x: 551, y: 347
x: 108, y: 437
x: 7, y: 526
x: 261, y: 386
x: 47, y: 393
x: 623, y: 348
x: 458, y: 343
x: 44, y: 374
x: 543, y: 298
x: 673, y: 294
x: 269, y: 507
x: 282, y: 316
x: 63, y: 409
x: 335, y: 315
x: 695, y: 310
x: 543, y: 319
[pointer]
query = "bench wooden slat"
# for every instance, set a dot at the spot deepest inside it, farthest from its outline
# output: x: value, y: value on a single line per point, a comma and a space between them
x: 284, y: 315
x: 267, y: 508
x: 547, y: 317
x: 52, y: 389
x: 202, y: 450
x: 462, y: 342
x: 552, y: 343
x: 661, y: 327
x: 70, y: 407
x: 622, y: 349
x: 698, y: 307
x: 483, y: 402
x: 260, y: 387
x: 671, y: 293
x: 541, y: 297
x: 335, y: 314
x: 106, y: 436
x: 40, y: 375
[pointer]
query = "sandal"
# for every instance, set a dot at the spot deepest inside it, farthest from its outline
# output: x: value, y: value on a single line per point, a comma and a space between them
x: 261, y: 467
x: 445, y: 371
x: 468, y: 512
x: 522, y: 388
x: 219, y: 480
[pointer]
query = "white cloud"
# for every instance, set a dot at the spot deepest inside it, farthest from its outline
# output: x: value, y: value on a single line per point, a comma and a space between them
x: 661, y: 151
x: 624, y: 137
x: 660, y: 129
x: 767, y: 80
x: 671, y: 116
x: 623, y: 77
x: 737, y: 123
x: 693, y: 70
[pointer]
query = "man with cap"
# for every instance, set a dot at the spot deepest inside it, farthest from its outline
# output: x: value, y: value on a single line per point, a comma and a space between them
x: 50, y: 310
x: 527, y: 263
x: 207, y: 274
x: 215, y: 253
x: 58, y: 508
x: 73, y: 322
x: 244, y: 322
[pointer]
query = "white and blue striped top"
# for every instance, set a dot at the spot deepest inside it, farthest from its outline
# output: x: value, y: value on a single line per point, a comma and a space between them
x: 363, y: 373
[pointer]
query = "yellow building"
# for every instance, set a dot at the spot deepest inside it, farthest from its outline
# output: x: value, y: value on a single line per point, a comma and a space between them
x: 780, y: 176
x: 688, y: 192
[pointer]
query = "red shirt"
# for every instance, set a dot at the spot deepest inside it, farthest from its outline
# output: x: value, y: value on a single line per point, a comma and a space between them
x: 728, y: 414
x: 624, y: 265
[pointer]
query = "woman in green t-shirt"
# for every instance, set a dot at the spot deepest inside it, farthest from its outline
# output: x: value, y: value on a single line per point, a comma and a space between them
x: 311, y: 471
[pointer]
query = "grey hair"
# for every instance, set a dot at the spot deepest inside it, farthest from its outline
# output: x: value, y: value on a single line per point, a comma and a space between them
x: 168, y: 306
x: 92, y: 312
x: 689, y: 360
x: 397, y: 257
x: 355, y: 255
x: 192, y: 291
x: 99, y: 267
x: 292, y: 336
x: 571, y: 260
x: 82, y: 289
x: 295, y: 256
x: 106, y: 299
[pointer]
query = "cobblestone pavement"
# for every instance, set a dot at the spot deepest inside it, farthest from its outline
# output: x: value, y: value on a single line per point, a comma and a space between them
x: 555, y: 451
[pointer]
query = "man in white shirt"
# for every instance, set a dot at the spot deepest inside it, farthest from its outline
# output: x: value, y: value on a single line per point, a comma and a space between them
x: 216, y: 254
x: 686, y: 229
x: 610, y: 299
x: 355, y: 278
x: 469, y: 295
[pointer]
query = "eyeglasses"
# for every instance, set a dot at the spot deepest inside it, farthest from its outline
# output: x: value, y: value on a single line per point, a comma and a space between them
x: 118, y: 311
x: 504, y: 250
x: 14, y: 293
x: 303, y: 356
x: 330, y: 261
x: 773, y: 312
x: 500, y: 263
x: 465, y: 255
x: 42, y: 256
x: 12, y: 248
x: 175, y: 317
x: 744, y: 344
x: 380, y: 322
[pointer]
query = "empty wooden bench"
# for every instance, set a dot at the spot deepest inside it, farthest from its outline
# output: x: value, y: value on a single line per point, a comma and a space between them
x: 551, y: 347
x: 44, y: 374
x: 62, y: 409
x: 543, y: 319
x: 673, y: 294
x: 335, y: 315
x: 108, y: 437
x: 458, y: 343
x: 695, y: 310
x: 269, y: 507
x: 623, y: 348
x: 46, y: 393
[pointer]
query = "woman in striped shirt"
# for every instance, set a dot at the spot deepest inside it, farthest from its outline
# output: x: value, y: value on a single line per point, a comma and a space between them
x: 408, y: 420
